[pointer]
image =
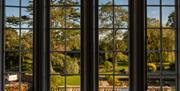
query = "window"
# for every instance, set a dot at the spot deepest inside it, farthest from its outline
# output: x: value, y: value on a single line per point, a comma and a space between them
x: 89, y: 45
x: 161, y: 44
x: 18, y: 44
x: 113, y: 44
x: 65, y: 44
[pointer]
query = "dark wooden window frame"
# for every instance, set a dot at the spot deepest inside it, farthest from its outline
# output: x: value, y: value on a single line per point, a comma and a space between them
x: 89, y: 45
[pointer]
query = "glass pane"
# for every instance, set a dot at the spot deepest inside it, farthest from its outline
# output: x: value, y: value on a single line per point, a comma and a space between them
x: 168, y: 2
x: 57, y: 63
x: 106, y: 63
x: 105, y: 2
x: 121, y: 63
x: 11, y: 82
x: 26, y: 18
x: 169, y: 84
x: 72, y: 19
x: 121, y: 83
x: 153, y: 17
x: 168, y: 39
x: 12, y: 60
x: 106, y: 17
x: 26, y: 39
x: 168, y: 17
x: 57, y: 83
x: 11, y: 39
x: 153, y: 2
x: 57, y: 38
x: 27, y: 69
x: 120, y: 17
x: 121, y: 38
x: 154, y: 84
x: 12, y: 18
x: 73, y: 2
x: 27, y: 82
x: 73, y: 83
x: 101, y: 82
x: 72, y: 40
x: 57, y: 17
x: 72, y: 64
x: 57, y: 2
x: 12, y: 2
x: 106, y: 40
x: 26, y: 2
x: 121, y: 2
x: 153, y: 39
x: 168, y: 61
x: 106, y: 82
x: 27, y: 63
x: 153, y: 62
x: 65, y: 2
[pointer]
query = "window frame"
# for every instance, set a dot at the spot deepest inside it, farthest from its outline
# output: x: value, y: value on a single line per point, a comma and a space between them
x: 136, y: 45
x: 1, y: 45
x: 178, y: 44
x: 41, y: 46
x: 175, y: 74
x: 89, y: 45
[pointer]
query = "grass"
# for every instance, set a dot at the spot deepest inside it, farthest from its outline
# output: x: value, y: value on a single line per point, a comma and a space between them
x: 117, y: 70
x: 60, y: 80
x: 122, y: 67
x: 73, y: 80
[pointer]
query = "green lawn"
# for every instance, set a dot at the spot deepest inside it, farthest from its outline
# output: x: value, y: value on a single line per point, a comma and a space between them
x: 60, y: 80
x: 73, y: 80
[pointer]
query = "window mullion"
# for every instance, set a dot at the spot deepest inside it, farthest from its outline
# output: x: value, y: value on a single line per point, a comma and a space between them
x: 89, y: 45
x: 136, y: 22
x: 1, y: 45
x: 41, y: 45
x: 178, y: 44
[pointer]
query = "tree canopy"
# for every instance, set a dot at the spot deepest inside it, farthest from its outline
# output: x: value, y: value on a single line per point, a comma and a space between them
x: 67, y: 38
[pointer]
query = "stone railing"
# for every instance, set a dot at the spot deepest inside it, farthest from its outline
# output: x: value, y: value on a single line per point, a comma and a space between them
x: 69, y: 88
x: 109, y: 88
x: 157, y: 88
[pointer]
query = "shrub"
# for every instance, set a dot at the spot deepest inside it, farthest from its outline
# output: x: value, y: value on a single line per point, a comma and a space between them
x: 109, y: 79
x: 172, y: 66
x: 116, y: 80
x: 152, y: 67
x: 107, y: 65
x: 57, y: 81
x: 15, y: 87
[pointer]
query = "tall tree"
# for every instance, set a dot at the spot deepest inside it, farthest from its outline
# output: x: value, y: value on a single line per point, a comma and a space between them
x: 111, y: 35
x: 171, y: 20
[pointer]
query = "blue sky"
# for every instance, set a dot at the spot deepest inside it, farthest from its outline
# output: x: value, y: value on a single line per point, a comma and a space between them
x: 14, y: 11
x: 16, y: 2
x: 157, y: 2
x: 153, y: 12
x: 125, y: 2
x: 117, y: 2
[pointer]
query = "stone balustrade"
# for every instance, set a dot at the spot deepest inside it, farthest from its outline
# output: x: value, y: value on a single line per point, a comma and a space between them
x: 109, y: 88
